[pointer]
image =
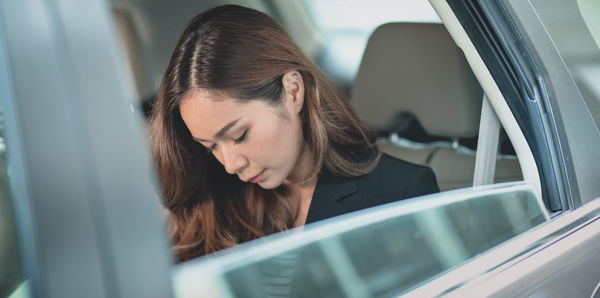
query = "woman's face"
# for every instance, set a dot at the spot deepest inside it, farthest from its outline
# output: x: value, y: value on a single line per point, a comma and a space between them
x: 259, y: 142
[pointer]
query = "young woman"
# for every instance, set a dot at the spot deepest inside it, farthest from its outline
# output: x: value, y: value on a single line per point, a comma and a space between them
x: 251, y: 138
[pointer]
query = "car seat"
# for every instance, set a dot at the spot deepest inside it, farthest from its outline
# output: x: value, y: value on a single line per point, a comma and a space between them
x: 415, y: 88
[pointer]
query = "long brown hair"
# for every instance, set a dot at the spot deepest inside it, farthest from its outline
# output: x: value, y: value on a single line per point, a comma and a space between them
x: 242, y: 53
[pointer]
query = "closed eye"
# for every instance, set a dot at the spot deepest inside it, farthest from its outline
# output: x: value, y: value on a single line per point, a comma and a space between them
x: 241, y: 139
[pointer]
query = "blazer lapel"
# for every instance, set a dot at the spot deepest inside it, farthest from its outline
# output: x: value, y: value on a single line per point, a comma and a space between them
x: 327, y: 200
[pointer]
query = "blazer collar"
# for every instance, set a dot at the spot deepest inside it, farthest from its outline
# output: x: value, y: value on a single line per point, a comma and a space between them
x: 327, y: 200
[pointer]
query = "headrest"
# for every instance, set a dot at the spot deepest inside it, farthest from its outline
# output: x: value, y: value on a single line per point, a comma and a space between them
x: 417, y: 68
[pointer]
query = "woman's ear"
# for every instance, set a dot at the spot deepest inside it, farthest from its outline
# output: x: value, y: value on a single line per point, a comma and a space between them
x: 293, y: 86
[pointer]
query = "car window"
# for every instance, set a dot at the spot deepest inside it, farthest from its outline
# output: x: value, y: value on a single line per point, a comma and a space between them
x: 405, y: 249
x: 347, y: 25
x: 381, y: 252
x: 449, y: 148
x: 573, y: 27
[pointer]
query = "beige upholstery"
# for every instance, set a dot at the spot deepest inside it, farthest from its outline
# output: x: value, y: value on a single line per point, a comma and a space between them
x: 417, y: 68
x: 418, y: 156
x: 455, y: 169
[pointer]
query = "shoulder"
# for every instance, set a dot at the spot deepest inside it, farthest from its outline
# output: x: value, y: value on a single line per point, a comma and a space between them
x: 396, y: 179
x: 393, y: 168
x: 390, y: 164
x: 391, y: 180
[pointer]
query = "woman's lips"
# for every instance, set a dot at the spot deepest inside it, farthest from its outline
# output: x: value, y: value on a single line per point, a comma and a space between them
x: 256, y: 178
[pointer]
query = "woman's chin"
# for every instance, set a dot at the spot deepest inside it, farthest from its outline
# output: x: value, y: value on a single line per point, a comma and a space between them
x: 269, y: 184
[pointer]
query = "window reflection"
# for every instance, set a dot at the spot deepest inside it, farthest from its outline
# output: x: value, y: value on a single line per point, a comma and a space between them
x: 380, y: 253
x: 347, y: 25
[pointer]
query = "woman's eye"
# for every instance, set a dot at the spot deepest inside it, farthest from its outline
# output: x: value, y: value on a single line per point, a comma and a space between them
x: 241, y: 138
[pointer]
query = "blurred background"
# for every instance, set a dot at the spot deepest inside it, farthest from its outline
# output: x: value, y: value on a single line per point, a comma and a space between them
x: 333, y: 33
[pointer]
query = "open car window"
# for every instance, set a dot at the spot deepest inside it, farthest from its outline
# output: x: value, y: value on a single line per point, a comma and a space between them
x: 79, y: 213
x: 414, y: 65
x: 450, y: 122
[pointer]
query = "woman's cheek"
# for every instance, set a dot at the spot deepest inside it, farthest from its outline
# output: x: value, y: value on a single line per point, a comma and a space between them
x: 270, y: 137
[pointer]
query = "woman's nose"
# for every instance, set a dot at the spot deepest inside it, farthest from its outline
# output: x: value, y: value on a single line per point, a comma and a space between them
x: 233, y: 162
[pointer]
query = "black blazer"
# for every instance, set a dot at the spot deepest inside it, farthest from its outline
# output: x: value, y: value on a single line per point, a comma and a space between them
x: 391, y: 180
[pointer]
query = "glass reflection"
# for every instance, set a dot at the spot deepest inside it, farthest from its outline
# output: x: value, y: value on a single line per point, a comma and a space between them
x: 380, y: 252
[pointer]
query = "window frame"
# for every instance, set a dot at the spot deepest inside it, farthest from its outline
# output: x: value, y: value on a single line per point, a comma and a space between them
x: 566, y: 107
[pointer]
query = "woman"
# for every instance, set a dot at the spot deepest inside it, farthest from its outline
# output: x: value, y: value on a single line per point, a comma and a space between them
x: 251, y: 138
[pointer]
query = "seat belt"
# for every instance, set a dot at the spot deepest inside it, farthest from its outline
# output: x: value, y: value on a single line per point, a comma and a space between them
x: 487, y: 145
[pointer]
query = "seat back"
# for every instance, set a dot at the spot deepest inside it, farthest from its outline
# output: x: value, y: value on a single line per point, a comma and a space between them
x: 417, y: 69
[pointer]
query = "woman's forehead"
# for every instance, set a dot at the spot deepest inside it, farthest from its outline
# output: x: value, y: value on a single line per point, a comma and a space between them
x: 205, y: 115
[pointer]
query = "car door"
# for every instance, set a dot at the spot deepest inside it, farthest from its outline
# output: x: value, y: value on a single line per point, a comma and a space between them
x: 75, y: 221
x: 543, y: 57
x: 83, y: 224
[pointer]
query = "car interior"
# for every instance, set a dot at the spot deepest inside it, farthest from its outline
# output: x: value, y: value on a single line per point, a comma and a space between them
x: 415, y: 87
x: 413, y: 84
x: 423, y: 86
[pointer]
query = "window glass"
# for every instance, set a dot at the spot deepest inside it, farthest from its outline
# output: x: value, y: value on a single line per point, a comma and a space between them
x: 574, y: 28
x: 347, y: 25
x: 377, y: 253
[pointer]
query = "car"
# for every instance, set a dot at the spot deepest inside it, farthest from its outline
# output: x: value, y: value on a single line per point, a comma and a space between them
x: 500, y: 98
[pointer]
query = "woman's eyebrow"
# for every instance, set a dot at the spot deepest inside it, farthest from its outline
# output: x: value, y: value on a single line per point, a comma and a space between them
x: 222, y: 131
